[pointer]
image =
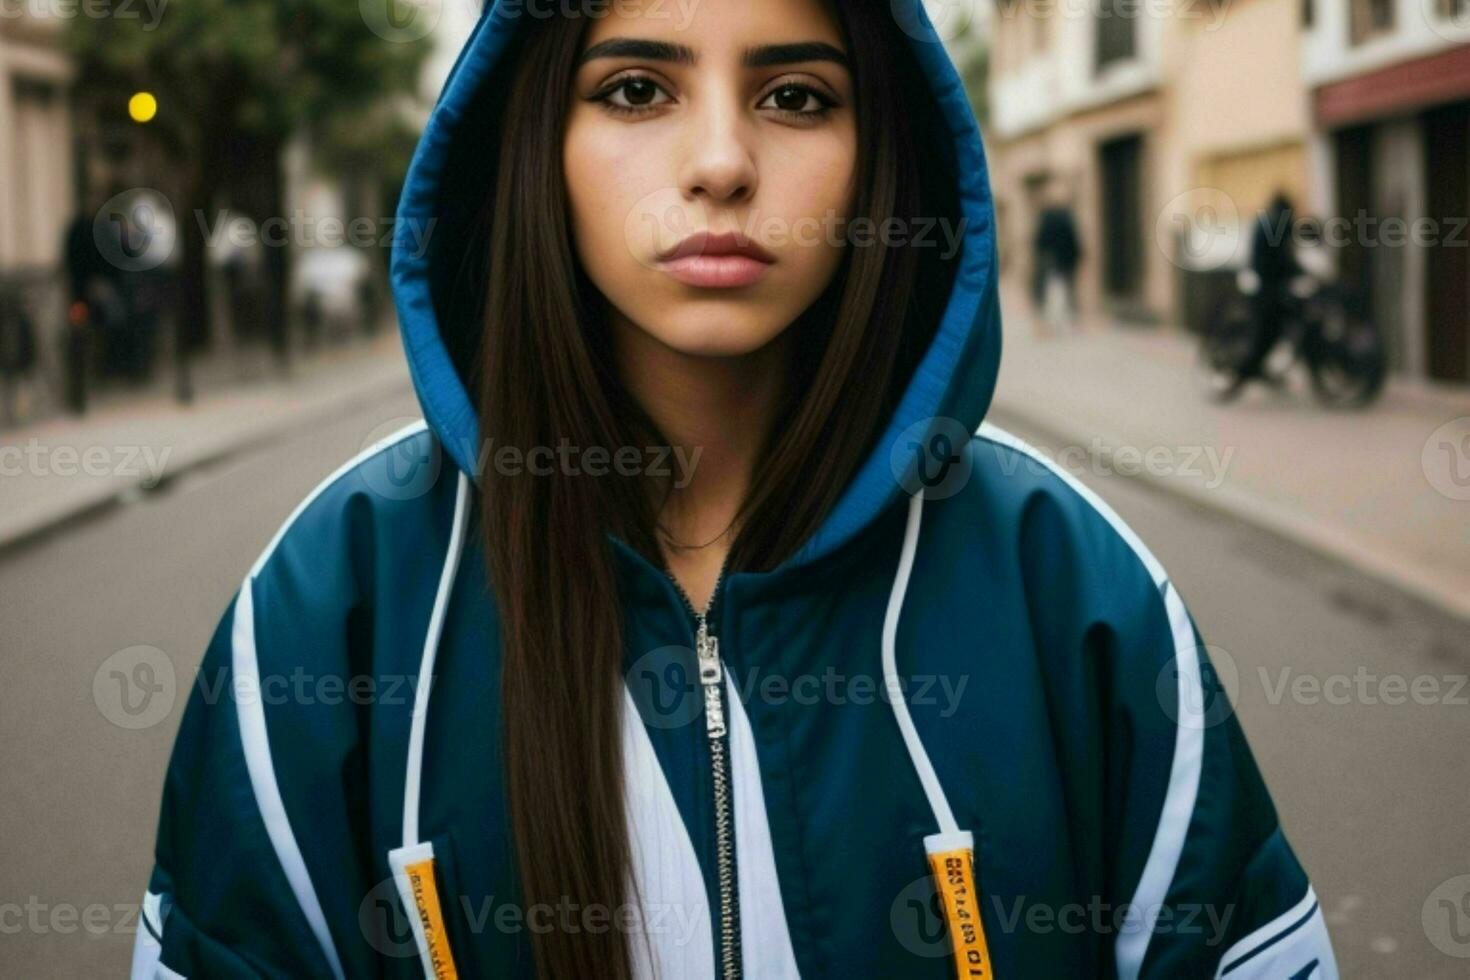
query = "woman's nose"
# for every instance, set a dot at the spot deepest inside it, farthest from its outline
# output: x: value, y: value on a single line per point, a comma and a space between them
x: 719, y: 159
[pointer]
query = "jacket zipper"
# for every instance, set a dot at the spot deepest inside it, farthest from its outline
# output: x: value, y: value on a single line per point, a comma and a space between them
x: 711, y: 679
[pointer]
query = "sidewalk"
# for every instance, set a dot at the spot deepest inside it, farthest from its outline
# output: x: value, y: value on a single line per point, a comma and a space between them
x: 61, y: 468
x: 1371, y: 488
x: 1113, y: 400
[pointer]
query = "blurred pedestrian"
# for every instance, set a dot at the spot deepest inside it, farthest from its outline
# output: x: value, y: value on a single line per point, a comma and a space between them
x: 313, y: 319
x: 93, y: 298
x: 1058, y: 251
x: 82, y: 254
x: 1273, y: 260
x: 369, y: 304
x: 17, y: 351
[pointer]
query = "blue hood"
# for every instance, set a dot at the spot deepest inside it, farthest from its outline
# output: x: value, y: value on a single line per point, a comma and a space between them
x: 1058, y: 744
x: 954, y: 379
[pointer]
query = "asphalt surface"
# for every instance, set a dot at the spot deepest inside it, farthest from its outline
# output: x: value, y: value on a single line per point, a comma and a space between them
x: 1373, y: 794
x: 79, y: 795
x: 1354, y: 699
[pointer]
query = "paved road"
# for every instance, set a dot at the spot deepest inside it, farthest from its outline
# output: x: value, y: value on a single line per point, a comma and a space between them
x: 1373, y: 794
x: 1370, y: 781
x: 79, y: 796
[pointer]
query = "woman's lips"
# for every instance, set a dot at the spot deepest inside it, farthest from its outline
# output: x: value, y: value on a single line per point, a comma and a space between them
x: 716, y: 271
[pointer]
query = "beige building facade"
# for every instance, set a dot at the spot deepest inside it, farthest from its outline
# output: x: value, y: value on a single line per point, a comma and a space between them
x: 1168, y: 125
x: 36, y: 196
x: 1155, y: 121
x: 1389, y: 83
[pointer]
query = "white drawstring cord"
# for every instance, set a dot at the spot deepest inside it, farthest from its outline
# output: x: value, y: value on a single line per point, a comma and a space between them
x: 930, y: 780
x: 426, y: 664
x: 413, y: 863
x: 938, y: 803
x: 951, y: 851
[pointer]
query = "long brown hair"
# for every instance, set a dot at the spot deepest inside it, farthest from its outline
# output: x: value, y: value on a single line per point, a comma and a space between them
x: 546, y: 375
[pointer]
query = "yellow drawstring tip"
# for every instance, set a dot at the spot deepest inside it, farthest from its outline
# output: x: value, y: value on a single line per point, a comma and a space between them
x: 418, y: 887
x: 952, y: 862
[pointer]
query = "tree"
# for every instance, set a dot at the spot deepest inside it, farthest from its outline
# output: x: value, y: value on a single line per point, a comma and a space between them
x: 970, y: 49
x: 235, y: 79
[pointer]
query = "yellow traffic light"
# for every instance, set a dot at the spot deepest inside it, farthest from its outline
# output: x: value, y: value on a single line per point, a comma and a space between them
x: 142, y: 107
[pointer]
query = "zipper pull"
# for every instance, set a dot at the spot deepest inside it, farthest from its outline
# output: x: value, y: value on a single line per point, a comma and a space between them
x: 707, y: 650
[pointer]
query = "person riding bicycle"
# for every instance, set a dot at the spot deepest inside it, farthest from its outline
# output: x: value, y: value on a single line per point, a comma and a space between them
x: 1273, y: 260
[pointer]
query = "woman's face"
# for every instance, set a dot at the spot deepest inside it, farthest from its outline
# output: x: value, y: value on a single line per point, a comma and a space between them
x: 733, y: 118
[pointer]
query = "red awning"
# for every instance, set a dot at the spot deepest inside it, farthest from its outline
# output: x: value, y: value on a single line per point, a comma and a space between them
x: 1397, y: 89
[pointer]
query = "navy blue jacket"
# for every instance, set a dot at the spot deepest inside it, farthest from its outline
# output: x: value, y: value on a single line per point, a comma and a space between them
x: 994, y: 655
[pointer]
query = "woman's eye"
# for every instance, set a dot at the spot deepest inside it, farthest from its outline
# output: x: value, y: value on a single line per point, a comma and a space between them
x: 634, y: 94
x: 797, y: 100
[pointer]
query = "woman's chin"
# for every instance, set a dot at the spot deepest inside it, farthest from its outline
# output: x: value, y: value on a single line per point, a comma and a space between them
x: 715, y: 336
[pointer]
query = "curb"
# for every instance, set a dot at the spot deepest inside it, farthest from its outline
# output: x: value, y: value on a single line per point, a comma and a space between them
x: 91, y: 502
x: 1332, y: 542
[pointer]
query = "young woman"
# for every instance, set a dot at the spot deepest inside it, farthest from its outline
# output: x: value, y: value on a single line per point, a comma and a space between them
x: 697, y: 631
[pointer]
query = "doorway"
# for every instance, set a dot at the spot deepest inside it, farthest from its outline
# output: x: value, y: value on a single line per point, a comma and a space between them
x: 1120, y: 162
x: 1447, y: 260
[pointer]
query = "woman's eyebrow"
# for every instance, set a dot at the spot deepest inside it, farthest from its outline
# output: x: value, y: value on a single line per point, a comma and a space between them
x: 769, y: 55
x: 637, y: 47
x: 763, y: 56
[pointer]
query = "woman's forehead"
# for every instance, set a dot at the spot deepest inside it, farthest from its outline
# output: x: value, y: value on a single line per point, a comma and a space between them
x: 717, y: 27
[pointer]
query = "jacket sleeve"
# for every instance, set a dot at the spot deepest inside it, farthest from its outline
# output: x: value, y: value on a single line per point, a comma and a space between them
x: 1220, y: 893
x: 259, y: 859
x: 1207, y: 881
x: 1173, y: 828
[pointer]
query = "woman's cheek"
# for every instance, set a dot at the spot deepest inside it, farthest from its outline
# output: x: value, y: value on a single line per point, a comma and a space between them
x: 620, y: 209
x: 818, y: 258
x: 591, y: 197
x: 826, y: 204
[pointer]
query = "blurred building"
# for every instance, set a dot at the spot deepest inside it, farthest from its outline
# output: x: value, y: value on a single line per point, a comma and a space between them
x: 1078, y: 115
x: 71, y: 149
x: 1390, y: 104
x: 36, y: 192
x: 1157, y: 121
x: 335, y: 275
